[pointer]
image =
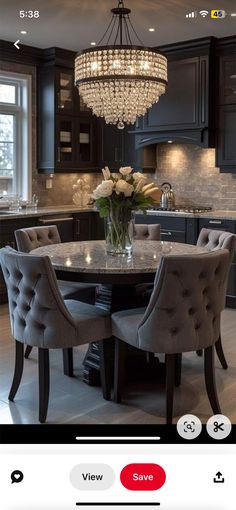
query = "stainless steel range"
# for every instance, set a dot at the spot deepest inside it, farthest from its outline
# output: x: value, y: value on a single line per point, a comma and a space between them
x: 184, y: 208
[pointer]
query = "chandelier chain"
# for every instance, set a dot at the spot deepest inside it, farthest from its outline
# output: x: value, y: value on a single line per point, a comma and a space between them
x: 128, y: 38
x: 113, y: 20
x: 132, y: 26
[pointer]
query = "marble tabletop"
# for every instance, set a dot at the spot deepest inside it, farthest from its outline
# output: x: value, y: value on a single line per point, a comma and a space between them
x: 91, y: 257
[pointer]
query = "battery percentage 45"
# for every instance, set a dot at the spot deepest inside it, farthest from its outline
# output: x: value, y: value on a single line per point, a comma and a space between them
x: 218, y: 14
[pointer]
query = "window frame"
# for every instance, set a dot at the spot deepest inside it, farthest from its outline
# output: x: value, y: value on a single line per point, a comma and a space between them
x: 22, y: 111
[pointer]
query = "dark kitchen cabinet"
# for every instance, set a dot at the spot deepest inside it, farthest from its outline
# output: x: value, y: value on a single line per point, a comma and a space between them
x: 226, y: 113
x: 172, y: 228
x: 67, y: 130
x: 179, y: 107
x: 65, y: 156
x: 226, y: 146
x: 185, y: 113
x: 110, y: 146
x: 98, y: 229
x: 64, y: 223
x: 117, y: 147
x: 228, y: 79
x: 75, y: 143
x: 65, y: 92
x: 83, y: 226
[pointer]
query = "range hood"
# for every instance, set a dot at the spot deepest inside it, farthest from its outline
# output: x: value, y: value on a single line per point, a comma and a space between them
x: 186, y: 113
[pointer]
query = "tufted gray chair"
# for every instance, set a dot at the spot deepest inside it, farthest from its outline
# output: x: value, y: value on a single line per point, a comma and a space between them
x: 28, y: 239
x: 218, y: 240
x: 41, y: 318
x: 147, y: 232
x: 183, y: 315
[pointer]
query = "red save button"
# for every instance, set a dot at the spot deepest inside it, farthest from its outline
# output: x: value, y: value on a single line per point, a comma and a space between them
x: 142, y: 477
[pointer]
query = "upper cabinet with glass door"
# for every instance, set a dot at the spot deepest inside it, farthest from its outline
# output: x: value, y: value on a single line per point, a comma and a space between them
x: 67, y: 128
x: 65, y: 91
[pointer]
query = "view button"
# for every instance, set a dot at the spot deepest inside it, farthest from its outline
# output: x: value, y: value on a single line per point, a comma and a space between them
x: 92, y: 477
x: 142, y: 477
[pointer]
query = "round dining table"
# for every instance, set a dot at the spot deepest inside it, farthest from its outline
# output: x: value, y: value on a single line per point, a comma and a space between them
x: 116, y: 275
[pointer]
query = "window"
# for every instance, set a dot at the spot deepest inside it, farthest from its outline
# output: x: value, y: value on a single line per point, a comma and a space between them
x: 15, y: 135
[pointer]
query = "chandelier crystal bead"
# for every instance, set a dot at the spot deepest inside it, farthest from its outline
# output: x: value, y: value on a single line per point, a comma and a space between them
x: 120, y: 82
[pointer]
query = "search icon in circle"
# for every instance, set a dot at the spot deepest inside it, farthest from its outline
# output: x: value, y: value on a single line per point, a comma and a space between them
x: 16, y: 476
x: 189, y: 426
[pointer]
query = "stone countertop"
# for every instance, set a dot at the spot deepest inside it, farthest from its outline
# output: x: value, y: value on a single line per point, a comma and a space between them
x: 44, y: 211
x: 91, y: 256
x: 215, y: 214
x: 67, y: 209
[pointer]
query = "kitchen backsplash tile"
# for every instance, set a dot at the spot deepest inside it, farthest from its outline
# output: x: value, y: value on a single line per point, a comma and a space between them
x: 195, y: 179
x: 61, y: 192
x: 190, y: 169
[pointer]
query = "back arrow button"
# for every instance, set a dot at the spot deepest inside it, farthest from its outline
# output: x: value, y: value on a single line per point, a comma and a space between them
x: 16, y: 44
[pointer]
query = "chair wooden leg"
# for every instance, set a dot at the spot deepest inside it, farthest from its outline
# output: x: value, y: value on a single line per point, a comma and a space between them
x: 220, y: 353
x: 68, y: 362
x: 170, y: 380
x: 178, y: 369
x: 120, y: 351
x: 44, y: 382
x: 105, y: 367
x: 199, y: 352
x: 209, y: 367
x: 28, y: 351
x: 19, y: 364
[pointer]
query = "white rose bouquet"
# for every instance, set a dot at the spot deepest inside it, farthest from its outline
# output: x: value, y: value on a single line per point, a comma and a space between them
x: 116, y: 197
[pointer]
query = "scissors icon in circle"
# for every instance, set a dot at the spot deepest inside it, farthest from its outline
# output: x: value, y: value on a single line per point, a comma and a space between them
x: 218, y: 426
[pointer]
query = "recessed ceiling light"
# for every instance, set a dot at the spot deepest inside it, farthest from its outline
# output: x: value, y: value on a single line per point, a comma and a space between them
x: 23, y: 32
x: 151, y: 29
x: 93, y: 43
x: 169, y: 141
x: 233, y: 14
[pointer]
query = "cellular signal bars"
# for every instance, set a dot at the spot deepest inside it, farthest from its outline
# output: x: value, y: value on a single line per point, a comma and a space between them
x: 192, y: 14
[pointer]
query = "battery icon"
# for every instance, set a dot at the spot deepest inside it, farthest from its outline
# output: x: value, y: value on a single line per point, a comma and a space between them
x: 218, y: 14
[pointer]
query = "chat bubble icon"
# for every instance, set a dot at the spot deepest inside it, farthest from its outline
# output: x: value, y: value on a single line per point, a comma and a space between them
x: 16, y: 476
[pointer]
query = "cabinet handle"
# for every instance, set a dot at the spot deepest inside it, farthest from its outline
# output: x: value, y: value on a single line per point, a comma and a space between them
x: 166, y: 233
x: 77, y: 233
x: 216, y: 222
x: 58, y: 155
x: 57, y: 220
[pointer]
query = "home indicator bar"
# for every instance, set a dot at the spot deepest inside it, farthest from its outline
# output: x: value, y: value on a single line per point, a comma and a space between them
x: 119, y: 504
x: 117, y: 438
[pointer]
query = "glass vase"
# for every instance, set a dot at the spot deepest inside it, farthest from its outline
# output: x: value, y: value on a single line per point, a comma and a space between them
x: 119, y: 232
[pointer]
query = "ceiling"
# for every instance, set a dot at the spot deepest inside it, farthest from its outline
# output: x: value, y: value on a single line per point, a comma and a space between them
x: 73, y: 24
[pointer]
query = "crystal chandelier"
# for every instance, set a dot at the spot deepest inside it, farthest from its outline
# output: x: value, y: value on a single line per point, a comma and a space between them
x: 118, y: 80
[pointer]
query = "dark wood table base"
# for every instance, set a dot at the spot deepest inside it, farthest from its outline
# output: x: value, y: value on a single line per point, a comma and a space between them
x: 111, y: 298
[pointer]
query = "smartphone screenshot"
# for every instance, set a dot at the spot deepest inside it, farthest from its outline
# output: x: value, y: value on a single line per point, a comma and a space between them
x: 117, y: 255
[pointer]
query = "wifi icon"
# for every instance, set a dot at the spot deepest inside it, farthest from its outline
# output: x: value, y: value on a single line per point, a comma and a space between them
x: 204, y: 13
